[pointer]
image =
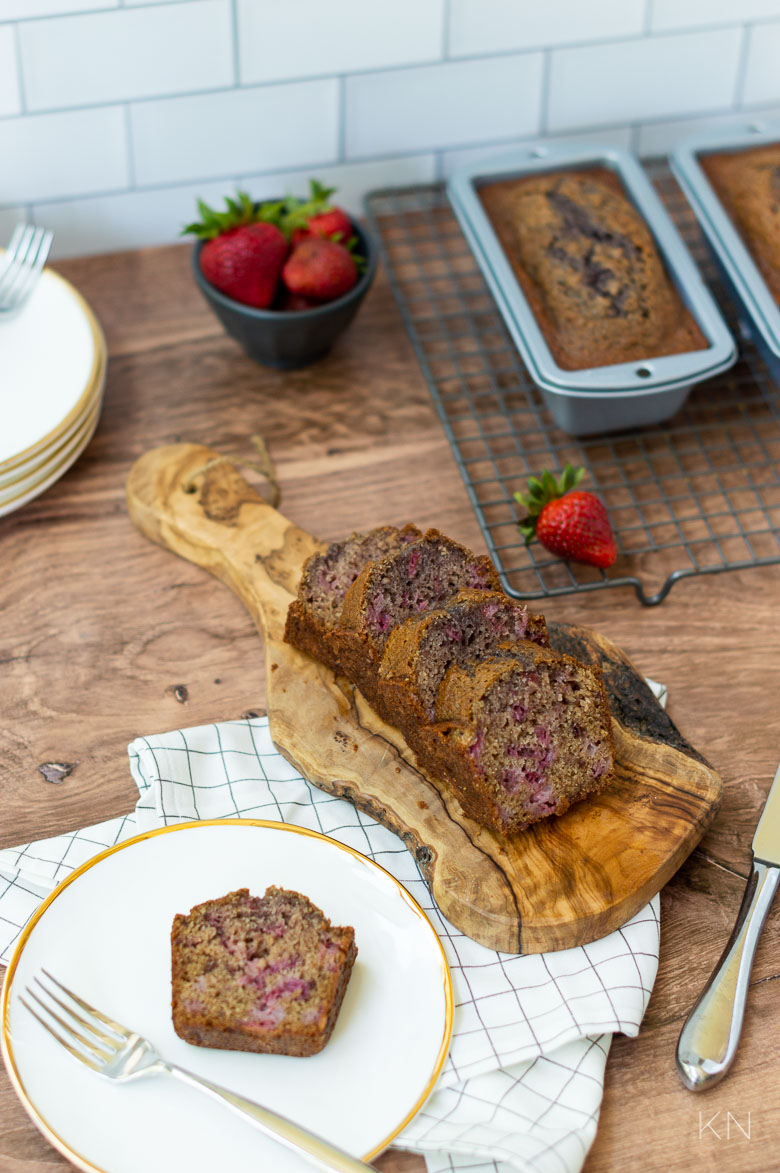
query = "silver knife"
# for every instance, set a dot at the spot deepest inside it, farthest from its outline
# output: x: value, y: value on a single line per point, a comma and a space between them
x: 708, y: 1041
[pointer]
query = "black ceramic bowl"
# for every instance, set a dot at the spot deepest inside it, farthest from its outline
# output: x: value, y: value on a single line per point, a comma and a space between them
x: 286, y: 339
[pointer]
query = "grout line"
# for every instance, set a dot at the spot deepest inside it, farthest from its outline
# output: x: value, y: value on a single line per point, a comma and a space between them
x: 241, y: 175
x: 544, y: 104
x: 129, y: 152
x: 236, y: 58
x: 424, y: 64
x: 744, y: 53
x: 648, y: 22
x: 341, y: 142
x: 19, y: 70
x: 446, y: 31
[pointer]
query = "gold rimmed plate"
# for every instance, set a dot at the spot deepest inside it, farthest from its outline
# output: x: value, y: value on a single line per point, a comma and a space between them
x: 105, y: 932
x: 17, y: 491
x: 52, y: 358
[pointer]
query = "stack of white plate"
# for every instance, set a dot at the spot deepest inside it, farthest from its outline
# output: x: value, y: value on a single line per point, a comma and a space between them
x: 52, y: 371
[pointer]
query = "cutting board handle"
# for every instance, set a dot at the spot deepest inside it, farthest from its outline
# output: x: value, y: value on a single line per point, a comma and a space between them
x: 209, y: 514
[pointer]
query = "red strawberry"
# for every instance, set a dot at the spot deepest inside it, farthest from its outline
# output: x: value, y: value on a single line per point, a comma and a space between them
x: 574, y: 525
x: 241, y: 256
x: 320, y: 270
x: 334, y: 224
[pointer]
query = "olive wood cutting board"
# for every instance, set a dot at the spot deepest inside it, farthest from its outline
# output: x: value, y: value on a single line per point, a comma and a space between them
x: 563, y: 882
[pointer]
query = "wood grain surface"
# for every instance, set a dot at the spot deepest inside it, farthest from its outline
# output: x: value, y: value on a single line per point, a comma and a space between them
x: 104, y: 637
x: 562, y: 883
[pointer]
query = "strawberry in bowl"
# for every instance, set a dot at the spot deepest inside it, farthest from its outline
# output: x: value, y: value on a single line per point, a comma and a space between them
x: 285, y: 277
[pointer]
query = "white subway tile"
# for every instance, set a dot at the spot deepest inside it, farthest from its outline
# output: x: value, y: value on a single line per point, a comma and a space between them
x: 9, y: 78
x: 246, y: 130
x: 443, y: 105
x: 132, y: 219
x: 617, y: 136
x: 678, y: 14
x: 309, y: 37
x: 112, y: 56
x: 762, y: 75
x: 20, y: 9
x: 491, y: 26
x: 49, y: 156
x: 351, y: 180
x: 654, y: 77
x: 660, y: 138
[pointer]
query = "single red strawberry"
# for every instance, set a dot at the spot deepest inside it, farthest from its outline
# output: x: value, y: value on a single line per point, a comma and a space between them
x: 320, y: 270
x: 574, y: 525
x: 243, y: 254
x: 334, y: 224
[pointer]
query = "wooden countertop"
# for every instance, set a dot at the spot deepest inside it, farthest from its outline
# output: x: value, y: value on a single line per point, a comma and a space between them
x: 99, y: 628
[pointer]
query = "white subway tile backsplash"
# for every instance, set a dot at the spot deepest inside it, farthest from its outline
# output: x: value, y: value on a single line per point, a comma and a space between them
x: 443, y: 105
x: 129, y: 220
x: 113, y: 56
x: 492, y: 26
x: 246, y: 130
x: 762, y: 75
x: 616, y: 136
x: 24, y: 9
x: 651, y: 77
x: 49, y: 156
x: 351, y: 180
x: 678, y: 14
x: 310, y: 37
x: 660, y: 138
x: 140, y: 218
x: 115, y: 114
x: 9, y: 79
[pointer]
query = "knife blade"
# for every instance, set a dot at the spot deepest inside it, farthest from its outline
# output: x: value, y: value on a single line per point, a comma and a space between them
x: 708, y: 1041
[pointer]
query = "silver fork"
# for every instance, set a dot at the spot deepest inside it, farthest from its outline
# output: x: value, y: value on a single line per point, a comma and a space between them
x: 21, y: 265
x: 117, y: 1052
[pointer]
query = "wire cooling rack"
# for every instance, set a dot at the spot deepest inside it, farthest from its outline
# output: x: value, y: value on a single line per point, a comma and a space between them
x: 699, y: 494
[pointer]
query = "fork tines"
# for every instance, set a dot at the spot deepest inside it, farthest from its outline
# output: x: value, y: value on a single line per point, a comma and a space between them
x: 99, y: 1038
x: 22, y: 263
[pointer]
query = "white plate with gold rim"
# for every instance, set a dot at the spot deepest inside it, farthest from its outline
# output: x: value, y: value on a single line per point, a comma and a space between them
x: 59, y: 460
x: 51, y: 356
x: 9, y: 474
x: 16, y: 495
x: 105, y: 932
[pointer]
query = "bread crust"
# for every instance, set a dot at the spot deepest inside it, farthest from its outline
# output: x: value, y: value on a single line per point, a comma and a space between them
x: 590, y: 268
x: 358, y: 650
x: 748, y: 185
x: 206, y: 1028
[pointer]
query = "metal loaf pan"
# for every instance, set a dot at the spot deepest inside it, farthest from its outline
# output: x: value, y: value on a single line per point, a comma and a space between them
x: 759, y: 313
x: 621, y: 395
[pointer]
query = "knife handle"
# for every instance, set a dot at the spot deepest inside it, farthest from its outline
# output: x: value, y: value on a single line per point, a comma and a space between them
x: 708, y: 1041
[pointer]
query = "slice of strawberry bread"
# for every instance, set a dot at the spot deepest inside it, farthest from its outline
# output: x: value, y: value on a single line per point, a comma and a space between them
x: 325, y: 580
x: 473, y: 626
x: 416, y: 578
x: 522, y: 738
x: 254, y: 973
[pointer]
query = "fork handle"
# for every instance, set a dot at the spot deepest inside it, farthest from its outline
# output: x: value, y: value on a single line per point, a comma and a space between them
x: 313, y: 1148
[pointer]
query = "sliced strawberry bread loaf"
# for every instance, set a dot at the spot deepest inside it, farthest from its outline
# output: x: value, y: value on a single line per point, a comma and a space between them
x: 472, y: 626
x: 416, y: 578
x: 254, y: 973
x: 522, y: 738
x: 325, y: 580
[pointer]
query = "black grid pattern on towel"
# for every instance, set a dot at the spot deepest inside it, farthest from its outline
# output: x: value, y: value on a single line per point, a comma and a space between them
x: 697, y: 494
x: 515, y: 1016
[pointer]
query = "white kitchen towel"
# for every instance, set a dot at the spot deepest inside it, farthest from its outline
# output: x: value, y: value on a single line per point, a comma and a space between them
x: 522, y: 1085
